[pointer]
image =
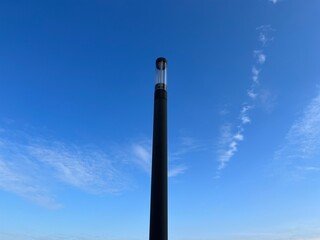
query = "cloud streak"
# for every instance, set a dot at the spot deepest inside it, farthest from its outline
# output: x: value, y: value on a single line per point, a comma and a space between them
x: 177, y: 170
x: 231, y: 137
x: 13, y: 180
x: 30, y: 167
x: 265, y: 34
x: 142, y: 155
x: 86, y: 168
x: 260, y: 56
x: 228, y: 145
x: 274, y: 1
x: 302, y: 142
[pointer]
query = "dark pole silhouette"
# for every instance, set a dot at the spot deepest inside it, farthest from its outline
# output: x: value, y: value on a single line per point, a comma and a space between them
x: 159, y: 177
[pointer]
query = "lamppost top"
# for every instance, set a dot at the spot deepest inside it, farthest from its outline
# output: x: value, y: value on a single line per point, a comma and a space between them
x: 161, y: 63
x: 161, y: 73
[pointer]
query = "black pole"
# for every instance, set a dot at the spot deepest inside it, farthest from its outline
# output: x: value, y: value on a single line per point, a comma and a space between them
x: 159, y: 177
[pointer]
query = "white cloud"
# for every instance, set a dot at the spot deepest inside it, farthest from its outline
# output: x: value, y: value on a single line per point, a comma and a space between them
x: 265, y: 33
x: 252, y: 94
x: 225, y: 135
x: 177, y: 170
x: 304, y: 134
x: 186, y: 145
x: 274, y: 1
x: 263, y: 38
x: 88, y: 169
x: 142, y: 153
x: 238, y: 137
x: 228, y: 145
x: 229, y: 140
x: 143, y: 156
x: 255, y: 71
x: 245, y: 119
x: 226, y: 155
x: 308, y: 168
x: 302, y: 142
x: 30, y: 167
x: 13, y: 180
x: 267, y: 100
x: 261, y: 57
x: 255, y: 74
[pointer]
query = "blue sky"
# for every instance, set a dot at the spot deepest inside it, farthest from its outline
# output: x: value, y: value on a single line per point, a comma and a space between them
x: 76, y: 100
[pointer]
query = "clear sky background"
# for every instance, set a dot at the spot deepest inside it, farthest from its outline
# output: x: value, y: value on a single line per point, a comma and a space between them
x: 76, y: 112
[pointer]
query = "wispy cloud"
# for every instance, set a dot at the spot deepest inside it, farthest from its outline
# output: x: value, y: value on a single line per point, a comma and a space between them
x: 274, y: 1
x: 315, y: 169
x: 30, y: 166
x: 186, y: 145
x: 12, y: 179
x: 244, y: 117
x: 252, y: 94
x: 265, y: 34
x: 228, y: 145
x: 260, y: 56
x: 302, y: 142
x: 142, y: 155
x: 304, y: 134
x: 86, y: 168
x: 255, y: 74
x: 177, y: 170
x: 238, y: 136
x: 231, y: 137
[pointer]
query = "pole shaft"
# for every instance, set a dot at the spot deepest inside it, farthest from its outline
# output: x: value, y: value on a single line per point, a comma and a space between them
x: 159, y: 179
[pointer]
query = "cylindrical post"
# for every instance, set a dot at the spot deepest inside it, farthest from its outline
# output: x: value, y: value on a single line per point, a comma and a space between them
x: 159, y: 177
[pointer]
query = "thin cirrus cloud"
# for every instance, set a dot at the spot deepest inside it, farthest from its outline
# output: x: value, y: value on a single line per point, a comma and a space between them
x: 229, y: 137
x: 88, y: 169
x: 177, y: 170
x: 265, y: 34
x: 30, y: 167
x: 260, y: 56
x: 186, y: 145
x: 274, y: 1
x: 12, y: 179
x: 255, y: 75
x: 302, y: 142
x: 143, y: 156
x: 228, y: 144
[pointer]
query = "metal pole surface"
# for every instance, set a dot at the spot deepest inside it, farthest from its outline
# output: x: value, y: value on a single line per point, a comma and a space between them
x: 159, y: 177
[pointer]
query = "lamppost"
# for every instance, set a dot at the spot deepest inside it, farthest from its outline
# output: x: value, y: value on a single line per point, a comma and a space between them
x: 159, y: 177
